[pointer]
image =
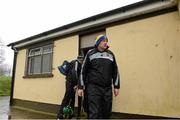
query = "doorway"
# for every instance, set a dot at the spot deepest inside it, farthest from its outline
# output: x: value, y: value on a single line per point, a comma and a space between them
x: 83, y: 51
x: 87, y: 41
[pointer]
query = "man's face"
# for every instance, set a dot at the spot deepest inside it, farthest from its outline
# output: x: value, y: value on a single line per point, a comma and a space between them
x: 103, y: 45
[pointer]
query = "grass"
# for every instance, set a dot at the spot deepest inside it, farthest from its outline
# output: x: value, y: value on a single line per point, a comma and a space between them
x: 5, y: 85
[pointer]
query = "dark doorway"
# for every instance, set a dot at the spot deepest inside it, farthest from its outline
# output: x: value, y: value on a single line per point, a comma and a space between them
x: 83, y: 51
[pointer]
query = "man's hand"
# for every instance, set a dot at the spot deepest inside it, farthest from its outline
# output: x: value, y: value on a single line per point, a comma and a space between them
x: 116, y: 92
x: 80, y: 92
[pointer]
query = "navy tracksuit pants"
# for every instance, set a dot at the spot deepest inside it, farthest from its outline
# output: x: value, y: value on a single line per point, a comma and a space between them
x: 99, y: 101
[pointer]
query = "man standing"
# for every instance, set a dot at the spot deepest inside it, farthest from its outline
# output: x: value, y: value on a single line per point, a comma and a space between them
x: 99, y: 72
x: 71, y: 85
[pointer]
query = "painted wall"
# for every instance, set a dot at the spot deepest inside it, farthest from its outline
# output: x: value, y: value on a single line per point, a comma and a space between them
x: 148, y: 55
x: 46, y: 90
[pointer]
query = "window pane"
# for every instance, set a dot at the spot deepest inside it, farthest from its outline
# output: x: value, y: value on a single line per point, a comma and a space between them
x: 30, y: 66
x: 47, y: 49
x: 37, y: 65
x: 46, y: 65
x: 34, y: 52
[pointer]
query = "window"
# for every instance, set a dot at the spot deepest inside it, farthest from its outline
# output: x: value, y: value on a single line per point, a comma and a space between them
x: 40, y: 60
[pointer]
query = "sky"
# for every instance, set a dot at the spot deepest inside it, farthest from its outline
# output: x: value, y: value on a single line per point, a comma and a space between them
x: 20, y: 19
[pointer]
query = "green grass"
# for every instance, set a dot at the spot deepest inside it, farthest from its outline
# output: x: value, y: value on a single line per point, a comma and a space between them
x: 5, y: 85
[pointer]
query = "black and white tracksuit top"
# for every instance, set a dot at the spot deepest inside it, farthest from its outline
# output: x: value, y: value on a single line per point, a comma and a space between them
x: 99, y: 68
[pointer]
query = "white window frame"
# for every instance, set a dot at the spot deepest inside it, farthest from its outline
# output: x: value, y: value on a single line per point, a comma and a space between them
x: 41, y: 53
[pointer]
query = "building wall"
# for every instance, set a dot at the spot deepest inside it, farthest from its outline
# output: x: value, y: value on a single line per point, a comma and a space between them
x: 45, y: 90
x: 148, y: 56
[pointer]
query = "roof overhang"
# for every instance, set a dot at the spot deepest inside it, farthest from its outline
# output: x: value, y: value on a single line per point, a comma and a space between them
x: 140, y: 10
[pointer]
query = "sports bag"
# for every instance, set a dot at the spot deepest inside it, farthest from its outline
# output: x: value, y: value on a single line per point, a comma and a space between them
x: 64, y: 68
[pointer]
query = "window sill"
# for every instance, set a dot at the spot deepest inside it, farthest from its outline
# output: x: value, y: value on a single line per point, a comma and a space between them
x: 39, y: 76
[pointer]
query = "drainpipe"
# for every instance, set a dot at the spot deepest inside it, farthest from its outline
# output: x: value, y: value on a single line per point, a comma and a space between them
x: 13, y: 75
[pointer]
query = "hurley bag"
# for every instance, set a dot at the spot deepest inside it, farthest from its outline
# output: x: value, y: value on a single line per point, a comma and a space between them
x: 64, y: 68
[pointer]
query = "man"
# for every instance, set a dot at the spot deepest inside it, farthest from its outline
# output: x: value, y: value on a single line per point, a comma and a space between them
x: 71, y: 85
x: 99, y: 71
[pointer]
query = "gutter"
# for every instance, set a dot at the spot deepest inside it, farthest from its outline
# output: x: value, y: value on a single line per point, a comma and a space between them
x: 13, y: 75
x: 159, y: 5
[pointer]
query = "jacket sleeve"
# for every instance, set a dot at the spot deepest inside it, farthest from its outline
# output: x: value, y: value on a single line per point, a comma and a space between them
x: 116, y: 76
x: 76, y: 69
x: 83, y: 73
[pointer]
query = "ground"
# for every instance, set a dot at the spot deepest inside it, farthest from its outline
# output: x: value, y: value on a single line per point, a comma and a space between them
x: 7, y: 112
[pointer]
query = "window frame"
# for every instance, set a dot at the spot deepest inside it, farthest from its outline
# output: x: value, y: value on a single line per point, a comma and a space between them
x: 41, y: 74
